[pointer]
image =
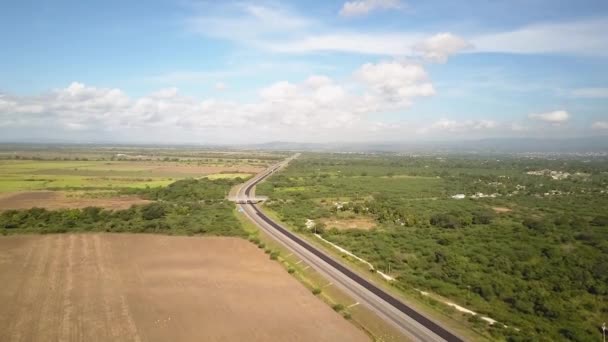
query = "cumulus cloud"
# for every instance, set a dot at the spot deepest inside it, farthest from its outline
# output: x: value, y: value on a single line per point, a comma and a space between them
x: 363, y: 7
x: 454, y: 126
x: 555, y: 117
x: 394, y: 82
x: 315, y: 103
x: 438, y: 47
x: 600, y: 125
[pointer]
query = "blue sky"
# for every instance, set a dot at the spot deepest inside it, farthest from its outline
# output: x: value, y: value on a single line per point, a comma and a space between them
x: 358, y: 70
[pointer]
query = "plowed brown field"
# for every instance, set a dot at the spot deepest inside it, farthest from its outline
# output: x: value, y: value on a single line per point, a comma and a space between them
x: 58, y: 200
x: 106, y: 287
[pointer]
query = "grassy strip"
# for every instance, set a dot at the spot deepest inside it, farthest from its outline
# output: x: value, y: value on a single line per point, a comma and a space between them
x: 361, y: 317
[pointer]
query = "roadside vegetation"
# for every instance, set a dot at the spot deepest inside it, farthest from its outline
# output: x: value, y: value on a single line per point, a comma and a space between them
x: 527, y: 246
x: 187, y: 188
x: 186, y: 207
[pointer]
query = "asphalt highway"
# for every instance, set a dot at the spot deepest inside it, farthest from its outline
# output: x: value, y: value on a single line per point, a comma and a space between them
x: 411, y: 323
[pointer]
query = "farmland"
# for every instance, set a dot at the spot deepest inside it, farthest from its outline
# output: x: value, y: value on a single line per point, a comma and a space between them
x: 98, y: 176
x: 164, y: 190
x: 108, y: 287
x: 18, y: 175
x: 526, y: 246
x: 143, y: 294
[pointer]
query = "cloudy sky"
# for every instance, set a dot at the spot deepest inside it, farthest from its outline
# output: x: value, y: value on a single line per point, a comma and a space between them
x: 310, y: 71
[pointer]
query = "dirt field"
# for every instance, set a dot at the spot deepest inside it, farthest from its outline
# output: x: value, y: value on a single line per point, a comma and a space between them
x: 110, y: 287
x: 59, y: 200
x: 350, y: 223
x: 501, y: 210
x: 198, y: 170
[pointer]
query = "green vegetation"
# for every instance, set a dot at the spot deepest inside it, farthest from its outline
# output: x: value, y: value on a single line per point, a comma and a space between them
x: 185, y: 207
x: 31, y: 167
x: 526, y: 247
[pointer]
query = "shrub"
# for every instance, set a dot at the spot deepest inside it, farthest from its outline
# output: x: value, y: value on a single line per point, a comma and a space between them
x: 338, y: 307
x: 445, y: 221
x: 483, y: 216
x: 152, y: 211
x: 600, y: 221
x: 316, y: 291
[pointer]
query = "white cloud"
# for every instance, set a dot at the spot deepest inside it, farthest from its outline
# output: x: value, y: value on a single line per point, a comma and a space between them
x: 247, y: 22
x: 395, y: 83
x: 314, y: 106
x: 600, y: 125
x: 590, y: 93
x: 363, y: 7
x: 438, y: 47
x: 351, y: 42
x: 454, y: 126
x: 166, y: 93
x: 220, y: 86
x: 280, y: 29
x: 555, y: 117
x: 584, y: 37
x: 517, y: 127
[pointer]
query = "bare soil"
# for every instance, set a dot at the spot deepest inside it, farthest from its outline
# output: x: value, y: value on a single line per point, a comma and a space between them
x: 200, y: 169
x: 123, y: 287
x: 364, y: 223
x: 501, y: 210
x: 59, y: 200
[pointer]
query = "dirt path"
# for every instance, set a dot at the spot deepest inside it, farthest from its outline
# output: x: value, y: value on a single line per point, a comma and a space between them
x: 110, y: 287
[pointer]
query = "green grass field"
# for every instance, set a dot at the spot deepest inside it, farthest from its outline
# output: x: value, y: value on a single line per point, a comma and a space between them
x: 27, y: 175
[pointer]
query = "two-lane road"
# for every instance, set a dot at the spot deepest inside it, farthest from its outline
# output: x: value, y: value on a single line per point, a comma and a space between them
x: 413, y: 324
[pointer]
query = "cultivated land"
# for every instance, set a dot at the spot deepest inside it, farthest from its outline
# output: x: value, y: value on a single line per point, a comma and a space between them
x: 104, y: 287
x: 18, y: 175
x: 61, y: 200
x: 98, y: 176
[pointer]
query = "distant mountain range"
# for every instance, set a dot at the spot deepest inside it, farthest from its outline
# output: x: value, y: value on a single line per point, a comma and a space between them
x: 494, y: 145
x: 597, y: 144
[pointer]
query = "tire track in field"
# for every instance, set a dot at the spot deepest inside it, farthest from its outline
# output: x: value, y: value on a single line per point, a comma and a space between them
x: 51, y: 298
x: 67, y: 306
x: 117, y: 281
x: 7, y: 321
x: 128, y: 329
x: 29, y: 291
x: 88, y: 276
x: 106, y: 294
